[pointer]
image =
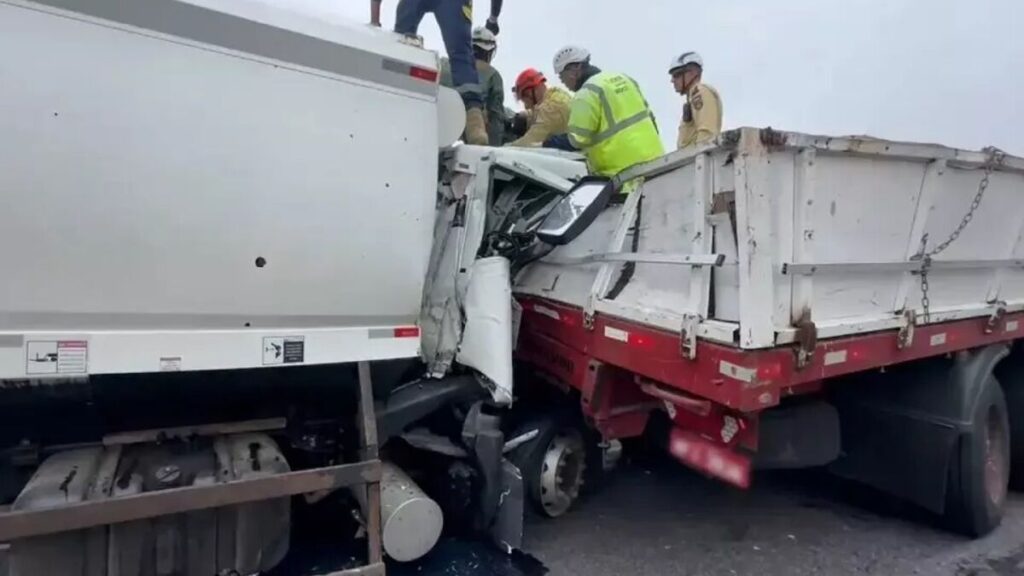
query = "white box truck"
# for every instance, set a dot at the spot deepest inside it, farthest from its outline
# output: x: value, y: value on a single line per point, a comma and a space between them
x: 217, y: 225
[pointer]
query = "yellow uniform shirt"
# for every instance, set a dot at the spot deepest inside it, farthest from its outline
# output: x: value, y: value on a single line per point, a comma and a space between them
x: 702, y: 116
x: 547, y: 119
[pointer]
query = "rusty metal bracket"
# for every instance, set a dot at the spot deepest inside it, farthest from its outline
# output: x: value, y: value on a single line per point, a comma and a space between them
x: 688, y: 336
x: 905, y: 336
x: 806, y: 339
x: 588, y: 320
x: 995, y: 320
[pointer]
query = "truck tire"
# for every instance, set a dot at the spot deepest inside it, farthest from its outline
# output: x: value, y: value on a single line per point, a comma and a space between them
x: 979, y: 470
x: 1010, y: 374
x: 552, y: 465
x: 1015, y: 405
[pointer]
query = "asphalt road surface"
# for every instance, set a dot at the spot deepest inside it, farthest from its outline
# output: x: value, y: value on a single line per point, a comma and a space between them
x: 659, y: 519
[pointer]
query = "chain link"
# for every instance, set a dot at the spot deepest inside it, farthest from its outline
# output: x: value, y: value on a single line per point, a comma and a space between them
x: 995, y: 158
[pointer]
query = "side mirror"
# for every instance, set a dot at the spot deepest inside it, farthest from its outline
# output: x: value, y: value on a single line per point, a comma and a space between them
x: 576, y: 211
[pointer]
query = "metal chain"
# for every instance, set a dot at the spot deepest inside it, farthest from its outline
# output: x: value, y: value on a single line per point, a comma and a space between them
x: 995, y: 158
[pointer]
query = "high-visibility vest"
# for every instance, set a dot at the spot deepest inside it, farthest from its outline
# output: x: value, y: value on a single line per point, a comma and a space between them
x: 611, y: 123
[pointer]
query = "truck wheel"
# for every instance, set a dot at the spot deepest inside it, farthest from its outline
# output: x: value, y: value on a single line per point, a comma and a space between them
x: 1010, y: 374
x: 1015, y: 405
x: 552, y: 466
x: 979, y: 470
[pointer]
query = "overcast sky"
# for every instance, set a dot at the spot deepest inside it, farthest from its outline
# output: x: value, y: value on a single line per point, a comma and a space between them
x: 945, y: 71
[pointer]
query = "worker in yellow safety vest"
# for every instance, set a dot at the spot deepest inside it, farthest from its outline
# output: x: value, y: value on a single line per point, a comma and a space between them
x: 702, y: 113
x: 547, y: 108
x: 609, y: 119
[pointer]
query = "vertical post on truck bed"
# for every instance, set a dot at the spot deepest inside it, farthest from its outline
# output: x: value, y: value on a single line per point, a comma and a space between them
x: 755, y: 241
x: 804, y: 187
x: 368, y: 438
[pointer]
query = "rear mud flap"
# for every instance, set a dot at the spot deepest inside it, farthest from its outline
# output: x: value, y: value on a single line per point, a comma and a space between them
x: 899, y: 428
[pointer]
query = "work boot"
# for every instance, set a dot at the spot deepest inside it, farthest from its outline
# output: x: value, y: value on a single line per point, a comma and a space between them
x: 476, y: 127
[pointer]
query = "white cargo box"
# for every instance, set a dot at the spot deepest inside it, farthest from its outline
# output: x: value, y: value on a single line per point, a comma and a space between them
x: 208, y: 185
x: 808, y: 228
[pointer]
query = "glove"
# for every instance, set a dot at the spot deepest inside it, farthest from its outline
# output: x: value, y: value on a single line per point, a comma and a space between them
x: 559, y: 142
x: 519, y: 126
x: 492, y: 25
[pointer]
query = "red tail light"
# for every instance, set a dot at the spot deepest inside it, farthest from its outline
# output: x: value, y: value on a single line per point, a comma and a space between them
x: 407, y: 332
x: 423, y: 74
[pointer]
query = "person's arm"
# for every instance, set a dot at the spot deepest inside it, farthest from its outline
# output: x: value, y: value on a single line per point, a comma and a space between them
x: 375, y: 12
x: 549, y: 120
x: 560, y: 142
x: 584, y: 119
x: 683, y: 119
x: 707, y: 114
x: 492, y: 20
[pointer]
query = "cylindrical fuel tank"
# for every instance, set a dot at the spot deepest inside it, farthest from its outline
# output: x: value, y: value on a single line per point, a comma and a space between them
x: 411, y: 521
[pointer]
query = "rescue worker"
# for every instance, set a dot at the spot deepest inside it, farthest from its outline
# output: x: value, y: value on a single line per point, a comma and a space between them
x: 702, y: 113
x: 492, y: 86
x: 455, y: 19
x: 609, y: 119
x: 547, y: 108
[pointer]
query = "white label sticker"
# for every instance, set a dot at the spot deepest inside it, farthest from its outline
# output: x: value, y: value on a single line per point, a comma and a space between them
x: 835, y: 357
x: 284, y: 350
x: 545, y: 311
x: 1012, y: 326
x: 616, y: 334
x: 57, y: 357
x: 170, y: 364
x: 736, y: 372
x: 938, y: 339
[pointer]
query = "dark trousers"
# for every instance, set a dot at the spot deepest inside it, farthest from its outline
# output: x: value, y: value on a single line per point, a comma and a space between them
x: 454, y: 17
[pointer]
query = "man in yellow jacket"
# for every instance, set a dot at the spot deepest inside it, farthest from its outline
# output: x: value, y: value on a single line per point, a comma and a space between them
x: 547, y: 108
x: 702, y: 113
x: 609, y: 119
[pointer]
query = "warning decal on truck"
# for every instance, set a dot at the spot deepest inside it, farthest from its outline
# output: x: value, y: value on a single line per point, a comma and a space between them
x: 57, y: 357
x: 284, y: 350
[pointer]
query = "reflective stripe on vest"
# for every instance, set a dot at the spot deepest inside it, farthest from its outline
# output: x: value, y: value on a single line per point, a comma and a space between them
x: 613, y: 126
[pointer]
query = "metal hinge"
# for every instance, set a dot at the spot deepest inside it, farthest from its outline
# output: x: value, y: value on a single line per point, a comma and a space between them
x: 807, y: 340
x: 905, y: 336
x: 996, y: 317
x: 688, y: 336
x: 588, y: 320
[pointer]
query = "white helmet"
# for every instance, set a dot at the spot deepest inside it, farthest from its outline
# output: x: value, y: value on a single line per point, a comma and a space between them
x: 570, y: 55
x: 484, y: 38
x: 685, y: 59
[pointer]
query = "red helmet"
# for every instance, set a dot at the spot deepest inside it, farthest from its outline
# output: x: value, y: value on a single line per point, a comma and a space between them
x: 529, y: 78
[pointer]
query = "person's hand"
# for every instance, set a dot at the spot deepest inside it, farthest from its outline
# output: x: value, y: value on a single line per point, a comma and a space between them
x: 492, y: 25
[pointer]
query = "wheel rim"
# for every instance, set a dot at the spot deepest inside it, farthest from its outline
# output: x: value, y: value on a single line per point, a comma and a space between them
x: 995, y: 457
x: 562, y: 473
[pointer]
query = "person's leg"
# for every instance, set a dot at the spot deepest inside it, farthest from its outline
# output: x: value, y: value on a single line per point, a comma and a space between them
x: 409, y: 14
x: 455, y: 18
